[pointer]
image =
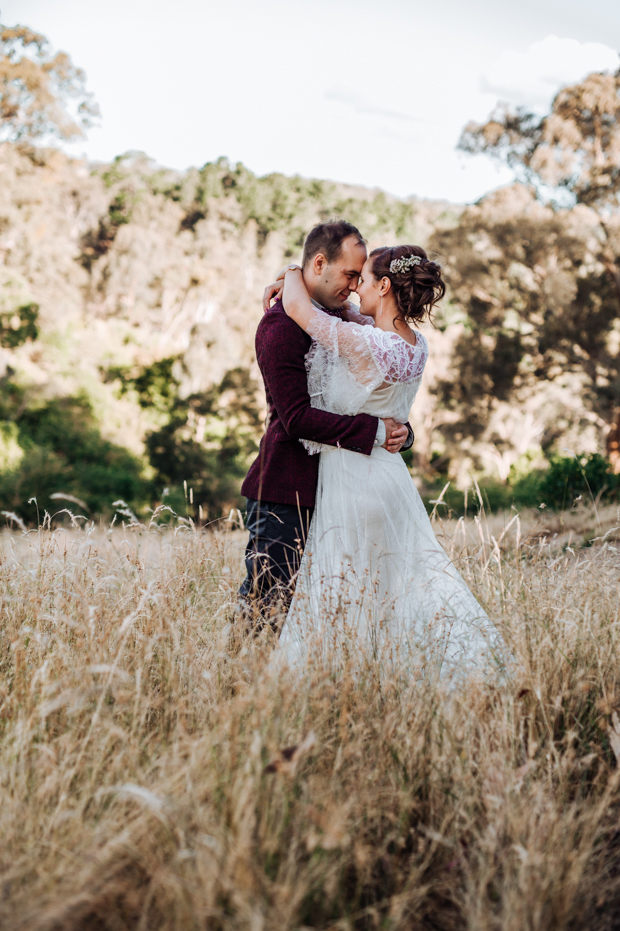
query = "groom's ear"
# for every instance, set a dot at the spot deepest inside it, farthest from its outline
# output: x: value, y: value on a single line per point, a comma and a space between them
x: 318, y: 264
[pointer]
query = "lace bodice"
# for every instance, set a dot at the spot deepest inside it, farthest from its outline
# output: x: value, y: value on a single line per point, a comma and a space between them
x: 372, y: 355
x: 359, y: 368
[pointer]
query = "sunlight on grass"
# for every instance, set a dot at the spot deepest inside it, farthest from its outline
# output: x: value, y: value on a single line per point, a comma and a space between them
x: 143, y: 779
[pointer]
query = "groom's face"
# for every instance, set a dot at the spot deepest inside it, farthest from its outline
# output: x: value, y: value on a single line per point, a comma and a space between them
x: 331, y: 284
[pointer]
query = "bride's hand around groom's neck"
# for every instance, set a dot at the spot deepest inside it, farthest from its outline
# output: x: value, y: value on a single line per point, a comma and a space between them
x: 273, y: 292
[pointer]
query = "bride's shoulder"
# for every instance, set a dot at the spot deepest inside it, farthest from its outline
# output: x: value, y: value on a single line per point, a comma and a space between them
x: 390, y: 340
x: 397, y: 358
x: 421, y: 341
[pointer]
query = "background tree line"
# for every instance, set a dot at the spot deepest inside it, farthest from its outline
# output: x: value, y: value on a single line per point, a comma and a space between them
x: 129, y: 297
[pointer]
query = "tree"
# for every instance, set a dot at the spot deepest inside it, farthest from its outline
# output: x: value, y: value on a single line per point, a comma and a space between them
x: 574, y: 150
x: 538, y: 356
x: 36, y: 88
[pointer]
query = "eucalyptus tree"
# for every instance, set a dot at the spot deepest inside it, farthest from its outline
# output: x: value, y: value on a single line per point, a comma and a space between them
x: 571, y: 156
x: 538, y: 355
x: 42, y: 94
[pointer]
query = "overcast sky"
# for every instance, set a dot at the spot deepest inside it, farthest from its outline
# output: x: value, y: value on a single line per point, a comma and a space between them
x: 371, y: 92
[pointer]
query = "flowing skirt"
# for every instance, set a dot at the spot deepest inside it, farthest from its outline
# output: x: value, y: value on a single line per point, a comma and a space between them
x: 375, y: 583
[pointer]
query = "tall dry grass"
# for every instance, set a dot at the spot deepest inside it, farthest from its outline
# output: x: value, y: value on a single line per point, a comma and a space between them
x: 136, y: 790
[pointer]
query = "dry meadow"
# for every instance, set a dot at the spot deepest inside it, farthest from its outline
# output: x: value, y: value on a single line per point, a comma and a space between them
x: 143, y: 780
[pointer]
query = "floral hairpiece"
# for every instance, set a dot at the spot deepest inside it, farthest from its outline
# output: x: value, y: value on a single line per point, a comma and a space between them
x: 404, y: 264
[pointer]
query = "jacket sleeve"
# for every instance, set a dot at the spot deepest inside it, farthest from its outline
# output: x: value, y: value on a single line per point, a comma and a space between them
x: 410, y: 438
x: 280, y: 350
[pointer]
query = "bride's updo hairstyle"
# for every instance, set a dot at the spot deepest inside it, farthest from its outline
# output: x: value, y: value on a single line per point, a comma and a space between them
x: 417, y: 284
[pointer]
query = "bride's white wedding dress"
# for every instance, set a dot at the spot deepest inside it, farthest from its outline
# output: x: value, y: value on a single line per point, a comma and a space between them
x: 373, y: 577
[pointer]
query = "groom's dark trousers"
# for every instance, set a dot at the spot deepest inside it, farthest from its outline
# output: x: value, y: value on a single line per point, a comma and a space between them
x: 277, y: 535
x: 281, y: 484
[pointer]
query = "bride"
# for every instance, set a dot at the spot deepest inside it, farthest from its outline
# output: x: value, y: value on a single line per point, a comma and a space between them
x: 373, y: 577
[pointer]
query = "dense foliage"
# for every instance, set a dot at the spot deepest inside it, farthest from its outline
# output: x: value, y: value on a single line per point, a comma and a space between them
x: 202, y: 451
x: 537, y: 358
x: 57, y: 449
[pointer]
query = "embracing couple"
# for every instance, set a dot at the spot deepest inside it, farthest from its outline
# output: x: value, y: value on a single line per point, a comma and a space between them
x: 341, y: 553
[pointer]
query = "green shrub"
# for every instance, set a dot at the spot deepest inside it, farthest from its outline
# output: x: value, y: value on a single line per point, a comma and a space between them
x: 208, y: 443
x: 63, y: 451
x: 587, y: 476
x: 154, y: 386
x: 558, y: 487
x: 526, y: 488
x: 18, y: 325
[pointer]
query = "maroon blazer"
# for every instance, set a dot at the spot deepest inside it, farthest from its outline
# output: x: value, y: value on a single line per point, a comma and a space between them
x: 284, y: 473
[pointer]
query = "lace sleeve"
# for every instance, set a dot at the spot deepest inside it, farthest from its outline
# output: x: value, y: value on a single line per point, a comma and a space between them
x: 353, y: 315
x: 347, y: 341
x: 372, y: 355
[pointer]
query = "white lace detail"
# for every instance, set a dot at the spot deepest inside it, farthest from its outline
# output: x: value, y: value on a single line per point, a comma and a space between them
x: 347, y: 363
x: 399, y: 362
x: 352, y: 314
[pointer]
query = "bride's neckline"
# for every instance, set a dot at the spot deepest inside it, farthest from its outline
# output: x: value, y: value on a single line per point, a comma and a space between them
x: 394, y: 333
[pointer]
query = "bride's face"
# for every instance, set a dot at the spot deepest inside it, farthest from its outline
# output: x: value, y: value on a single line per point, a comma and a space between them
x: 369, y: 291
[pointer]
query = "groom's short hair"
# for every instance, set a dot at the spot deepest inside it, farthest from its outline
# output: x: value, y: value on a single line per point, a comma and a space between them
x: 327, y: 239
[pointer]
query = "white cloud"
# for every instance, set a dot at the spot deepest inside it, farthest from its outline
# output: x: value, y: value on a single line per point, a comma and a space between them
x: 362, y: 105
x: 533, y: 77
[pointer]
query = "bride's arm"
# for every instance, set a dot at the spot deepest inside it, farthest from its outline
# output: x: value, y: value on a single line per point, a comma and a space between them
x: 372, y: 355
x: 296, y: 299
x: 300, y: 308
x: 320, y: 325
x: 337, y: 336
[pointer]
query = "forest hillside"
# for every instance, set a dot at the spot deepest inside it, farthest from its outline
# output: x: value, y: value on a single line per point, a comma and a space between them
x: 130, y: 295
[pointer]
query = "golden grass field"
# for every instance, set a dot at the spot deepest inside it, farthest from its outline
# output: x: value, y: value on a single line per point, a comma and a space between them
x: 134, y: 747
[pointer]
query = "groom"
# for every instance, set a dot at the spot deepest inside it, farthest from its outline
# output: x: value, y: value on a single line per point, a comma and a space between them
x: 280, y: 486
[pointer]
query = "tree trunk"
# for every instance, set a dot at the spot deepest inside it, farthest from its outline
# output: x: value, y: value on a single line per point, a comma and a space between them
x: 610, y: 261
x: 613, y: 444
x: 611, y: 264
x: 612, y: 267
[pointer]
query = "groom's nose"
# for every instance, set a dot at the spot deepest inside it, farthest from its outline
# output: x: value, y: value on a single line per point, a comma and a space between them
x: 353, y: 284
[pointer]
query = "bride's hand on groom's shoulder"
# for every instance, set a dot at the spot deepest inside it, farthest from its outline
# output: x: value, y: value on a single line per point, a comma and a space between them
x: 273, y: 292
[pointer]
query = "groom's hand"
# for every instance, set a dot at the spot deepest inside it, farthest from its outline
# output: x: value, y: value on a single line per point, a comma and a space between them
x: 396, y: 435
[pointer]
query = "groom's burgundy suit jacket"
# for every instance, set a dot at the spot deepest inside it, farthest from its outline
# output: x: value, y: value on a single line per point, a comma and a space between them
x: 283, y: 472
